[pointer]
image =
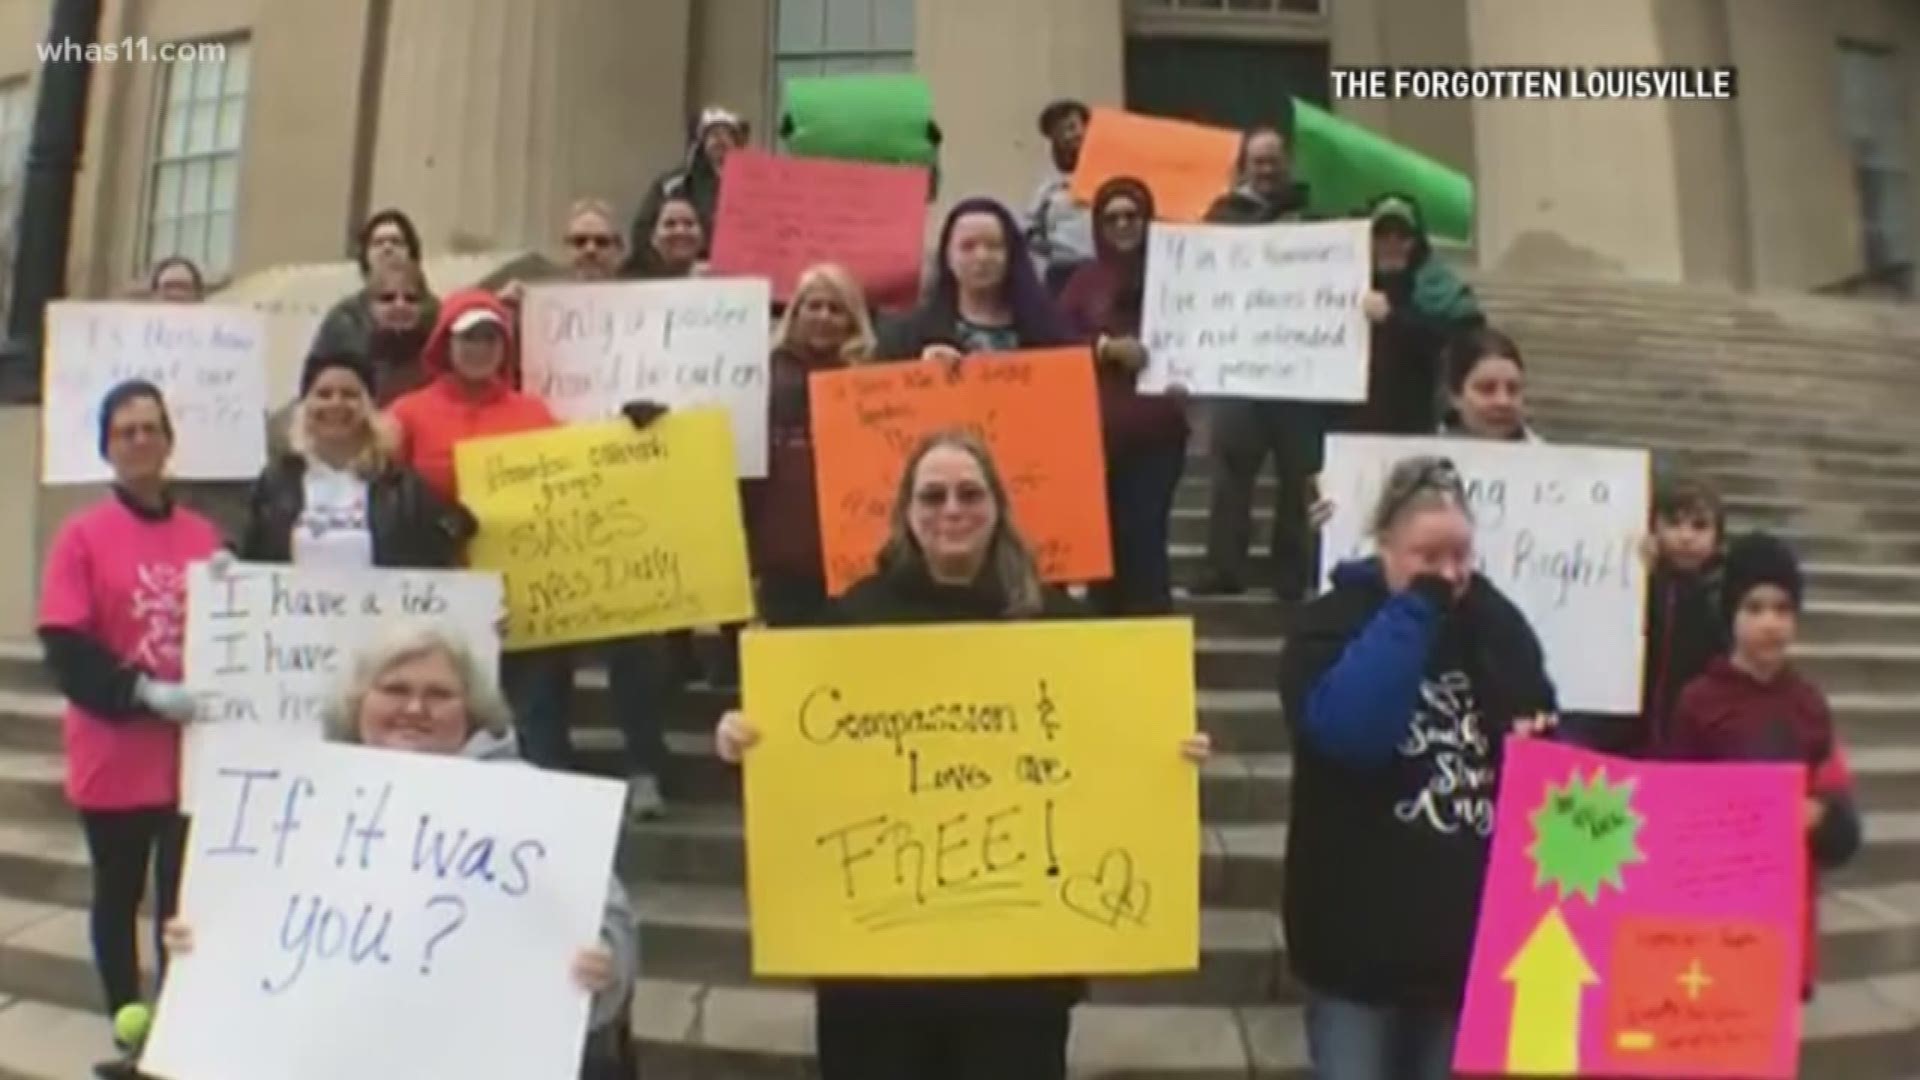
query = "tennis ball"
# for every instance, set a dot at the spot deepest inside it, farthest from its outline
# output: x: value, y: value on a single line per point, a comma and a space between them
x: 131, y: 1023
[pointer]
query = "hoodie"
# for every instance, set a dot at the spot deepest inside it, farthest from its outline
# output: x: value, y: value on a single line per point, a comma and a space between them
x: 1104, y: 298
x: 446, y: 412
x: 1427, y: 304
x: 1729, y: 715
x: 1399, y: 710
x: 694, y: 179
x: 618, y: 931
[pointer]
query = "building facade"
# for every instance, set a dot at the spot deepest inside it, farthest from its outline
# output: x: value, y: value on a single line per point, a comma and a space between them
x: 483, y: 118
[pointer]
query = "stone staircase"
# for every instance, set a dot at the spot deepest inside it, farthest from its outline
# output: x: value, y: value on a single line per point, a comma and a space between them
x: 1801, y: 410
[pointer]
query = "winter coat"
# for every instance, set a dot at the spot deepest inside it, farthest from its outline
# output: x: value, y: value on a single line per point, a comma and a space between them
x: 1398, y: 712
x: 412, y: 526
x: 1427, y: 305
x: 783, y: 510
x: 444, y: 413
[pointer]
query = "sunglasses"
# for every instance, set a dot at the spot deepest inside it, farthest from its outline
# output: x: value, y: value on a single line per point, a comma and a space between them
x: 592, y: 240
x: 398, y: 298
x: 935, y: 496
x: 1440, y: 476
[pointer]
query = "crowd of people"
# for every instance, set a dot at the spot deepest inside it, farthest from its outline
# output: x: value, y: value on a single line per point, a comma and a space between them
x: 1379, y: 907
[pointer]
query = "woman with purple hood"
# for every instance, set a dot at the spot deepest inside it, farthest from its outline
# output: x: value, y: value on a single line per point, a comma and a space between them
x: 1145, y: 435
x: 986, y: 295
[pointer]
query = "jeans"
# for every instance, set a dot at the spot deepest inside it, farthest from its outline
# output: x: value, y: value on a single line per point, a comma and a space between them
x: 1245, y: 433
x: 1351, y: 1041
x: 539, y: 686
x: 1140, y: 489
x: 123, y: 844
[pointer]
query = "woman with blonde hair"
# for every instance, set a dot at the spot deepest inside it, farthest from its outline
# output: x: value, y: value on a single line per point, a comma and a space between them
x: 826, y: 328
x: 338, y: 497
x: 420, y: 689
x: 953, y: 555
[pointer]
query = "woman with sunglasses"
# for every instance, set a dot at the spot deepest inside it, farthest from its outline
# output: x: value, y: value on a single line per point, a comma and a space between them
x: 1400, y: 686
x: 952, y: 555
x: 388, y: 240
x: 1146, y: 436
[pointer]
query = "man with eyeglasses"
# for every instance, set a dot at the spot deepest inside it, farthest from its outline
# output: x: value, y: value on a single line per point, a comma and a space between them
x: 1245, y: 432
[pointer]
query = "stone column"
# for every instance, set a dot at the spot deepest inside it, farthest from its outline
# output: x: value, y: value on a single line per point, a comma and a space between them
x: 993, y: 64
x: 494, y: 114
x: 1577, y: 186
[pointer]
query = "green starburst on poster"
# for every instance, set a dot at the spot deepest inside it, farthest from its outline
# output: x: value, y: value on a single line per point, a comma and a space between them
x: 1585, y: 834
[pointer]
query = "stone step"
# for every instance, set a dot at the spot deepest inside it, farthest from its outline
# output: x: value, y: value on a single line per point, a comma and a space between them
x: 1820, y: 532
x: 1598, y: 371
x: 1558, y: 400
x: 1857, y: 1030
x: 1241, y: 866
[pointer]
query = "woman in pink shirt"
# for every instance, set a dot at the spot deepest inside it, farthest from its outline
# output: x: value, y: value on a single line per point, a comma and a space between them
x: 113, y: 609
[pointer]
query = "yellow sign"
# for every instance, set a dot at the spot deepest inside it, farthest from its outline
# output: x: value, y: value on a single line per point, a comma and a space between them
x: 973, y: 800
x: 602, y: 531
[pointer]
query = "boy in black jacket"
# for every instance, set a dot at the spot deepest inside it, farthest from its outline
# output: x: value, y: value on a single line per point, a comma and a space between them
x: 1685, y: 627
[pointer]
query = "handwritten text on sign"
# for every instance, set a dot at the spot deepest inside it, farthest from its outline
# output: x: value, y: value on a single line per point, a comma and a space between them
x: 602, y: 531
x: 972, y: 800
x: 780, y: 215
x: 392, y: 894
x: 1639, y: 920
x: 1557, y: 528
x: 1037, y: 411
x: 209, y: 360
x: 590, y: 349
x: 1268, y: 311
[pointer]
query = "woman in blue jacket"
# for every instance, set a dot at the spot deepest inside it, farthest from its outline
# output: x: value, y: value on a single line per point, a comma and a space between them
x: 1401, y: 684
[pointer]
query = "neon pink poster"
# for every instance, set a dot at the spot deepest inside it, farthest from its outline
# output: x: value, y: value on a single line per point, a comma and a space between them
x: 1639, y: 920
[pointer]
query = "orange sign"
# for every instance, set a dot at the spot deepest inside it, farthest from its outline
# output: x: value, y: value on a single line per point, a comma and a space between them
x: 1695, y: 997
x: 1186, y: 166
x: 1038, y: 411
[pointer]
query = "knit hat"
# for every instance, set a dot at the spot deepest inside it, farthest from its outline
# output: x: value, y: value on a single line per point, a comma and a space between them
x: 318, y: 363
x: 123, y: 393
x: 1754, y: 560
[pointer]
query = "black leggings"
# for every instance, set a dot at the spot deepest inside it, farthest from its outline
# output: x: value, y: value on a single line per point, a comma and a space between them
x: 123, y: 843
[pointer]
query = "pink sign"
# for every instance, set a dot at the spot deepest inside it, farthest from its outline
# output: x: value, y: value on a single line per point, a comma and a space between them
x: 1639, y: 919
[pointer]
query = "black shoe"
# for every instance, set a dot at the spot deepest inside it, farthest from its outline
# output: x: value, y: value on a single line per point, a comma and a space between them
x: 120, y: 1068
x: 1217, y: 584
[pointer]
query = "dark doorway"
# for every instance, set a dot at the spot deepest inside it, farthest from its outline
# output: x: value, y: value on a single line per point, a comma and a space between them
x: 1224, y: 82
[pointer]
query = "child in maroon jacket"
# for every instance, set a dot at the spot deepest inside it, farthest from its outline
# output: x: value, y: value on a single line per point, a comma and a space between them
x: 1751, y: 705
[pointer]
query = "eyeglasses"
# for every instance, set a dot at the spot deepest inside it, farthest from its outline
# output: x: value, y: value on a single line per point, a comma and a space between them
x: 433, y: 699
x: 398, y: 298
x: 935, y: 496
x: 592, y: 240
x: 129, y: 432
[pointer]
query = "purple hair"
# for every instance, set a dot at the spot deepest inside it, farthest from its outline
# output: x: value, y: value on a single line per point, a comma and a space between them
x: 1034, y: 317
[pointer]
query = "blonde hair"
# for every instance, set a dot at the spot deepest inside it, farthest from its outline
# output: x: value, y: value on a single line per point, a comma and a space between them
x: 403, y: 643
x: 1419, y: 483
x: 838, y: 281
x: 380, y: 437
x: 1009, y: 561
x: 599, y: 208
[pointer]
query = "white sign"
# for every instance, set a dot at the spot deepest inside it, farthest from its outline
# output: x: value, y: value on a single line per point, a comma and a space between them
x: 1556, y: 528
x: 270, y: 645
x: 208, y: 360
x: 590, y: 349
x: 378, y: 913
x: 1268, y: 311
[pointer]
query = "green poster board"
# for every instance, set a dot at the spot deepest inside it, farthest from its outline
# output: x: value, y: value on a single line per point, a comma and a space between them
x: 879, y: 118
x: 1346, y: 166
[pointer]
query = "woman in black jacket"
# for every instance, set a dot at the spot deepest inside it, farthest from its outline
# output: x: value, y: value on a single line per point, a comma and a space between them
x: 952, y: 555
x: 337, y: 498
x: 986, y: 295
x: 1400, y: 686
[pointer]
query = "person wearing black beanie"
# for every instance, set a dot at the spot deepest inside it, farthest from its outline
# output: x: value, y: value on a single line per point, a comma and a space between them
x: 1752, y: 705
x: 336, y: 496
